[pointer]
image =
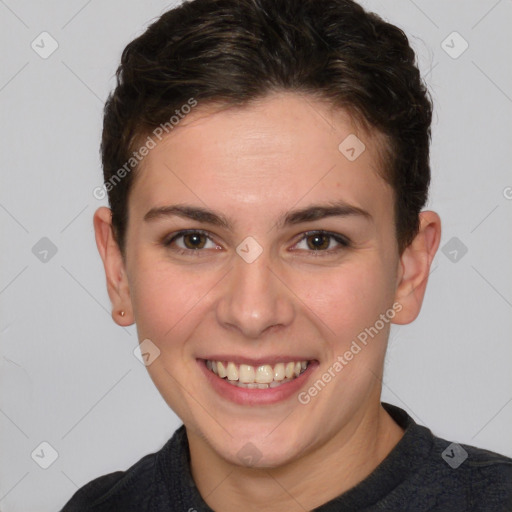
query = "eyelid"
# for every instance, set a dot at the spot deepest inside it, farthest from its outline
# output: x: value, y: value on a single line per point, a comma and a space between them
x: 343, y: 241
x: 168, y: 239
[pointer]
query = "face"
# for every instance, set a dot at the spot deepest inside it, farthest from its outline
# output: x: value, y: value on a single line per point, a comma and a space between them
x: 254, y: 242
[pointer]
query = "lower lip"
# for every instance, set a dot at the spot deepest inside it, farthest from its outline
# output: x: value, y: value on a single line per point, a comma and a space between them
x: 246, y: 396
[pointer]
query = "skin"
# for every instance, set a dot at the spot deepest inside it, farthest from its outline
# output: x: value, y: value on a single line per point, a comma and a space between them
x: 253, y: 165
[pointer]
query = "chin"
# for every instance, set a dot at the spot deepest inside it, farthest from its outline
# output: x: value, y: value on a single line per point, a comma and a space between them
x: 259, y: 450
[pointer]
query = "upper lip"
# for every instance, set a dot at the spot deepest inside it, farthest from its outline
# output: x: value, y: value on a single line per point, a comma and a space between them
x: 272, y: 360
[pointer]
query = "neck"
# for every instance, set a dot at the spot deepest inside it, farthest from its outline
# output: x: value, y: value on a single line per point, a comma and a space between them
x: 304, y: 483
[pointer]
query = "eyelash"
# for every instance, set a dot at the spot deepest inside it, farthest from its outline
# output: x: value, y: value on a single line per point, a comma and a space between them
x: 343, y: 242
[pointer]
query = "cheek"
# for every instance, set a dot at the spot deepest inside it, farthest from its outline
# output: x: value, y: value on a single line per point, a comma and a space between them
x: 166, y: 300
x: 169, y: 302
x: 347, y: 299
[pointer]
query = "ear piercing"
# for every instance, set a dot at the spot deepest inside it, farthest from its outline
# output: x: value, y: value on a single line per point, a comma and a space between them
x: 121, y: 313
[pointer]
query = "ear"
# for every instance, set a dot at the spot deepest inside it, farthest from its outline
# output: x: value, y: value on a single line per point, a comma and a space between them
x: 414, y: 268
x: 117, y: 282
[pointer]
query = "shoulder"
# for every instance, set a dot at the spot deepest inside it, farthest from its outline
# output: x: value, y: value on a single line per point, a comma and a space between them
x: 483, y: 476
x: 489, y: 477
x: 438, y: 474
x: 121, y: 490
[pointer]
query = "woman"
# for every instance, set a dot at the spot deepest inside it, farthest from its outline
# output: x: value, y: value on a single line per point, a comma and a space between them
x: 267, y: 163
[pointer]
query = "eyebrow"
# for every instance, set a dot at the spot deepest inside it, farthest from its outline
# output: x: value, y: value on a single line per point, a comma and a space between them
x: 307, y: 214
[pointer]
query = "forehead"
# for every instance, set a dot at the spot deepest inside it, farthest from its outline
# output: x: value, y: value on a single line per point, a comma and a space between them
x: 283, y: 150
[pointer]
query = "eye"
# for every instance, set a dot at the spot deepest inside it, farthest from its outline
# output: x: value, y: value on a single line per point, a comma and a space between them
x: 322, y: 241
x: 190, y: 241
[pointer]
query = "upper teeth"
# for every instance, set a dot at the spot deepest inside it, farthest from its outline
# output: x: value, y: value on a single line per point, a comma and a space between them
x: 263, y: 374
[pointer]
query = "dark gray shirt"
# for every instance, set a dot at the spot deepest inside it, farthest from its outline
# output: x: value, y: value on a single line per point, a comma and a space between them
x: 422, y: 473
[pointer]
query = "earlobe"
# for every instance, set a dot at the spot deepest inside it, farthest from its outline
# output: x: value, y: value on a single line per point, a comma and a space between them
x: 117, y: 282
x: 414, y: 269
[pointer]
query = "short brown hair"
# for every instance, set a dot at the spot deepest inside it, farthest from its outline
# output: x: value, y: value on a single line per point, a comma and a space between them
x: 235, y: 51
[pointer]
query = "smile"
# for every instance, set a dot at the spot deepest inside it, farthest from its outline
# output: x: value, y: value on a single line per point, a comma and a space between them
x: 257, y: 377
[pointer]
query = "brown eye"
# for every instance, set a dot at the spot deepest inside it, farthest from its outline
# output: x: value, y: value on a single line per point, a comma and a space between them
x: 318, y: 241
x: 322, y: 242
x: 194, y: 240
x: 190, y: 242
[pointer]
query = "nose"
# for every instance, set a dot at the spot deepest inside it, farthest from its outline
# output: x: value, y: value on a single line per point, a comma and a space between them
x: 254, y: 299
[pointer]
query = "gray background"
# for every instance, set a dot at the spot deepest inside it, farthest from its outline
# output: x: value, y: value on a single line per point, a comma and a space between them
x: 68, y: 375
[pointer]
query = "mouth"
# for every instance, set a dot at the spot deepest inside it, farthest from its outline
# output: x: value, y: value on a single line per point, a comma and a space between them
x: 262, y: 376
x: 258, y: 383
